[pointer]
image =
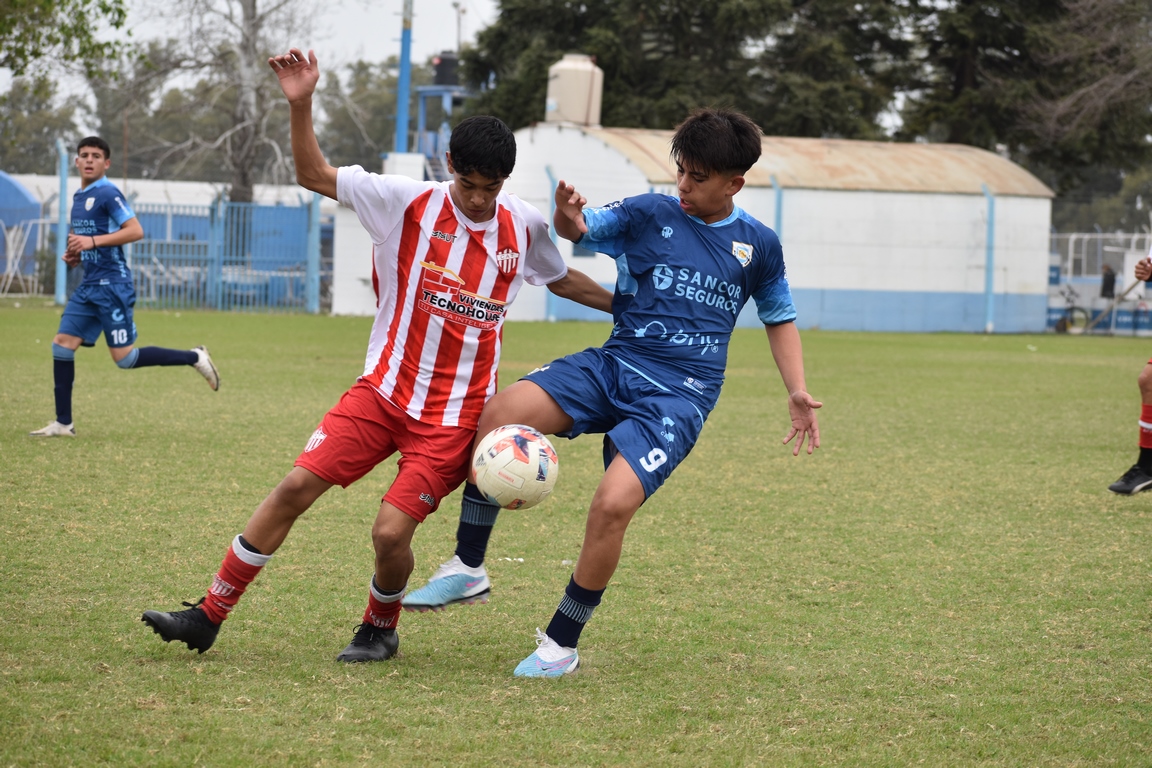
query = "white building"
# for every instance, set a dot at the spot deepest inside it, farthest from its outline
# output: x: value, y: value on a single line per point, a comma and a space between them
x: 877, y: 236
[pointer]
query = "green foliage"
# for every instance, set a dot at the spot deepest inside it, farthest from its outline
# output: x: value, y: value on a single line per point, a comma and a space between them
x: 179, y: 132
x: 946, y: 582
x: 30, y: 124
x: 831, y: 68
x: 359, y: 105
x: 35, y: 31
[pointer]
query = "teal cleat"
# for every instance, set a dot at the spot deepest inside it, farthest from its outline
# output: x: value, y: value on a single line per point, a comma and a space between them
x: 452, y: 583
x: 549, y: 660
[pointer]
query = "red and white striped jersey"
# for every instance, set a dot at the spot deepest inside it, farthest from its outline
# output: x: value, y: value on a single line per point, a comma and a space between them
x: 443, y: 283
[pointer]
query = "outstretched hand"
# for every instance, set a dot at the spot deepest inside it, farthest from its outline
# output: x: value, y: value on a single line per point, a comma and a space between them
x: 298, y: 75
x: 802, y: 408
x: 1144, y: 269
x: 570, y: 204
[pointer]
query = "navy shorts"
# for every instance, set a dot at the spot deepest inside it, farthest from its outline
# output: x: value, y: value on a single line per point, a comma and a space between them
x: 96, y: 308
x: 651, y: 426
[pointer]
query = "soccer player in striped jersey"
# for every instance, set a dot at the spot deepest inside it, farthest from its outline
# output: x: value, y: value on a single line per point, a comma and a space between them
x: 102, y: 224
x: 448, y: 259
x: 1139, y: 477
x: 685, y: 268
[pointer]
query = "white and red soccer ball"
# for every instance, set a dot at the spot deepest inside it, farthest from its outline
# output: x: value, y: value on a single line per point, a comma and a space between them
x: 515, y: 466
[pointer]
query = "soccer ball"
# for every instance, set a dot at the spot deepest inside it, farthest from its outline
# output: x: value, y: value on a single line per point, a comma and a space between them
x: 515, y: 466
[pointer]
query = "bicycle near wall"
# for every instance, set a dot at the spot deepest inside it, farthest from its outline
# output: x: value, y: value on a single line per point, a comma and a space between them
x: 1075, y: 318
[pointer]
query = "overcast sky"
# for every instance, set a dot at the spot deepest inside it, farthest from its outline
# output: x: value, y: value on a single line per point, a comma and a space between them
x: 346, y: 31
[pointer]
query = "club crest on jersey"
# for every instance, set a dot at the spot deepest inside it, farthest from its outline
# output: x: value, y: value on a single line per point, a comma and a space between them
x: 89, y: 203
x: 442, y: 294
x: 507, y: 259
x: 743, y: 252
x: 314, y: 441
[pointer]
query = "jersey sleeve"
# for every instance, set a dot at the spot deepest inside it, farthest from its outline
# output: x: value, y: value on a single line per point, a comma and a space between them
x: 378, y: 200
x: 543, y: 263
x: 608, y: 228
x: 772, y: 295
x: 118, y: 208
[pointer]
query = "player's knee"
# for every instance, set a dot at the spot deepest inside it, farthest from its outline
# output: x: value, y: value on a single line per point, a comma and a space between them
x: 297, y: 491
x: 388, y: 541
x: 1144, y: 380
x: 62, y: 353
x: 129, y: 360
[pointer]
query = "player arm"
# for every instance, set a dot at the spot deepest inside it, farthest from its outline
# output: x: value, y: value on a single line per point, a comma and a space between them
x: 788, y: 353
x: 582, y: 289
x: 298, y: 77
x: 1144, y: 269
x: 130, y: 231
x: 569, y: 215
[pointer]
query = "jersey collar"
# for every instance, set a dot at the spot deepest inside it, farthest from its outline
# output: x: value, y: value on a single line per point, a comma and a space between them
x: 736, y: 212
x: 102, y: 181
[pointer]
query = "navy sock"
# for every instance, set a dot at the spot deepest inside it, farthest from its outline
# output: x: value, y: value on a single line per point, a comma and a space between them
x: 477, y: 516
x: 160, y: 356
x: 573, y: 613
x: 63, y: 375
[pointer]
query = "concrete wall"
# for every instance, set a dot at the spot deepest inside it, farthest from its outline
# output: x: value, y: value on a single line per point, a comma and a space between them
x: 857, y: 260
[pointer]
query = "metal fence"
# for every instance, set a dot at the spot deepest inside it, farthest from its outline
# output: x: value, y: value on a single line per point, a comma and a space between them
x: 1084, y: 254
x: 229, y: 256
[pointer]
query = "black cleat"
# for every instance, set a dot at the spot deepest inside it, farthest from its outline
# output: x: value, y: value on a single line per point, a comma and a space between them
x: 191, y: 627
x: 1133, y: 481
x: 370, y: 643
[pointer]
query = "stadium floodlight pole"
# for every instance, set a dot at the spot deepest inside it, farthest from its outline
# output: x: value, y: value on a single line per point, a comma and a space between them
x: 62, y: 225
x: 989, y: 262
x: 401, y: 142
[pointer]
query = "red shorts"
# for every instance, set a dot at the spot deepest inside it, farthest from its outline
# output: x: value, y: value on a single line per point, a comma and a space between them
x: 363, y: 429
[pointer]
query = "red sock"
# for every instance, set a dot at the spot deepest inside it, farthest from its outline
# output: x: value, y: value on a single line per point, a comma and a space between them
x: 239, y: 568
x: 1146, y: 426
x: 383, y: 610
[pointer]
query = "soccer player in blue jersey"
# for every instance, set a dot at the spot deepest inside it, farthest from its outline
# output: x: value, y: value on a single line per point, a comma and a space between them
x: 685, y: 268
x: 103, y: 222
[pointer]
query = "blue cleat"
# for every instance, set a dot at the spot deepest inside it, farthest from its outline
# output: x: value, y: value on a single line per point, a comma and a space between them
x: 452, y: 583
x: 549, y: 660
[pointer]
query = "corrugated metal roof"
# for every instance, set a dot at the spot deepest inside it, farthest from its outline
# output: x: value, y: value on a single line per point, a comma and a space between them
x: 845, y: 164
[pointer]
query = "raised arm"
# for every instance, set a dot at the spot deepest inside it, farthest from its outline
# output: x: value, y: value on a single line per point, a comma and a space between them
x: 582, y: 289
x: 298, y: 77
x: 569, y: 216
x: 789, y: 356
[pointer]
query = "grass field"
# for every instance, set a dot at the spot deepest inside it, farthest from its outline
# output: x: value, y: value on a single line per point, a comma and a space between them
x: 946, y: 582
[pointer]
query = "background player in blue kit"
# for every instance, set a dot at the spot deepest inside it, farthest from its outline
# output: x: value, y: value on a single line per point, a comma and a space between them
x: 103, y: 222
x: 685, y: 268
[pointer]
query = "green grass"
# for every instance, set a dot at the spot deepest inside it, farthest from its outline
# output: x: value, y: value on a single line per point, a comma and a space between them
x: 946, y: 582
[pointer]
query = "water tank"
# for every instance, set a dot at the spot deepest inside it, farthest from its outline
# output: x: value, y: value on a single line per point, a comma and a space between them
x: 575, y: 86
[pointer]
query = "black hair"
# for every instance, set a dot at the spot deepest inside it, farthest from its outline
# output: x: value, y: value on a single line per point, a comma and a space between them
x: 717, y: 140
x: 483, y: 144
x: 99, y: 143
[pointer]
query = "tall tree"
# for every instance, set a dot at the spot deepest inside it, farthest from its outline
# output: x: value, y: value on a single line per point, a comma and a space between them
x: 36, y: 31
x: 832, y: 68
x: 660, y: 57
x: 228, y: 42
x: 360, y: 111
x: 30, y: 123
x: 1060, y: 86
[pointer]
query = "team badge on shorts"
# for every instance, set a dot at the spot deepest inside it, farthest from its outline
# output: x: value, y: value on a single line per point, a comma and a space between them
x: 743, y: 252
x: 314, y: 441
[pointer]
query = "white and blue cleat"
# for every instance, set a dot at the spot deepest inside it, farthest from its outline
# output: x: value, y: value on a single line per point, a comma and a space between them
x: 452, y: 583
x: 549, y: 660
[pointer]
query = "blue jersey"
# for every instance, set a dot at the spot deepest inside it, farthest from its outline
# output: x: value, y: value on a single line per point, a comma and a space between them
x: 98, y: 209
x: 680, y: 286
